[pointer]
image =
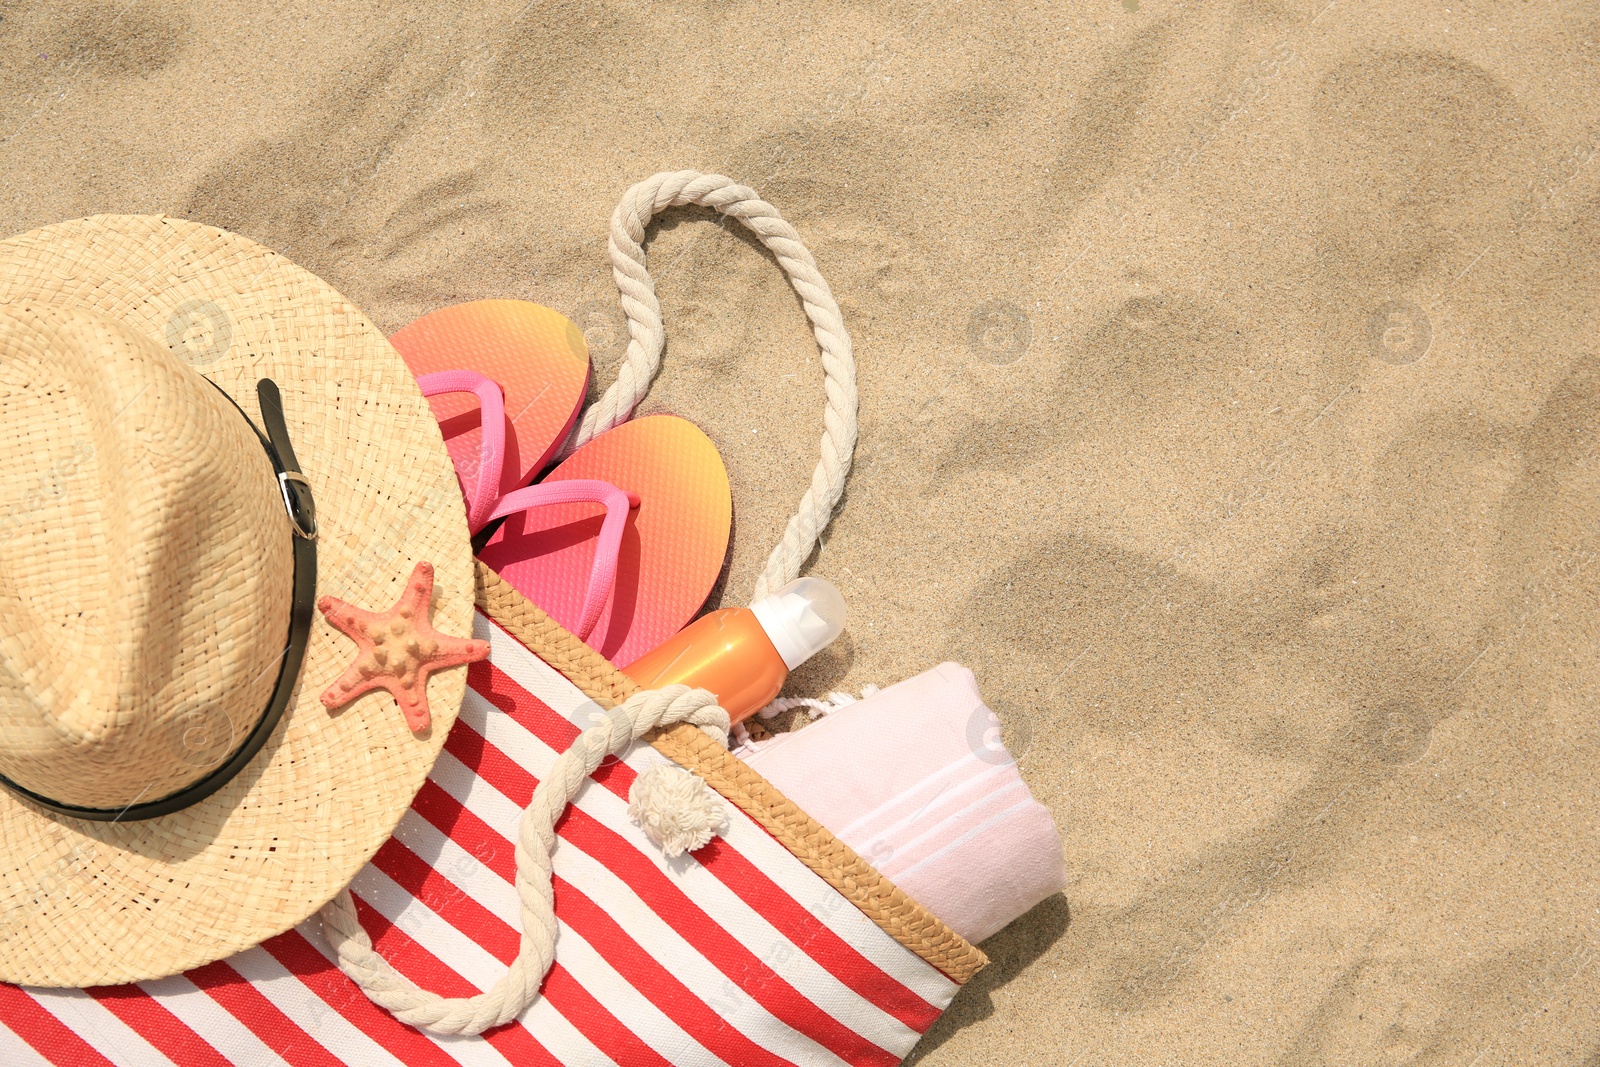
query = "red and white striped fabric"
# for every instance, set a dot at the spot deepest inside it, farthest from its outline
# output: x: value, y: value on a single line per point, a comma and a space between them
x: 738, y: 955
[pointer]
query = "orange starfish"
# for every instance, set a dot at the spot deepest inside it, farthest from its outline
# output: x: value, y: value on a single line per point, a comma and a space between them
x: 399, y: 649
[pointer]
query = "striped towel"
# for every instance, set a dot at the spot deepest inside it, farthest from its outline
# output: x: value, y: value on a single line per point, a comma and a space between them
x: 738, y: 955
x: 917, y: 779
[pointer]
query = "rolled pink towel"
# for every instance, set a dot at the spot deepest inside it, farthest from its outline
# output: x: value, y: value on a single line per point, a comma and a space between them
x: 916, y: 780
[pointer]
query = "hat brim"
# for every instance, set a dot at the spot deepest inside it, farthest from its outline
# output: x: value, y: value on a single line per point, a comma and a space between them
x: 96, y: 903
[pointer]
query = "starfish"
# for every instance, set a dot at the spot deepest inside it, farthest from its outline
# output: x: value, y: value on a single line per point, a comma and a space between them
x: 399, y: 649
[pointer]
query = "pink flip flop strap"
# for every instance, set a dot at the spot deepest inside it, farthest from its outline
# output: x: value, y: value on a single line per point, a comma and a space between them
x: 491, y: 449
x: 608, y: 546
x: 485, y: 504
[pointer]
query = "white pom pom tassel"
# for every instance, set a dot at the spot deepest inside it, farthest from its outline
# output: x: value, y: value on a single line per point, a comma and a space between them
x: 676, y: 810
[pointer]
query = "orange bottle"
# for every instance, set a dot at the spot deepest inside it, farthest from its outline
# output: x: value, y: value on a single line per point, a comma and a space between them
x: 744, y: 654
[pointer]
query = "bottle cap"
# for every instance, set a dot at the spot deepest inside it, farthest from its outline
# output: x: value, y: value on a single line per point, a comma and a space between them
x: 801, y: 619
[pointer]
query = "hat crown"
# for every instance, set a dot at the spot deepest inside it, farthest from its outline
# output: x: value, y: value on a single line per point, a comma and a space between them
x: 145, y: 564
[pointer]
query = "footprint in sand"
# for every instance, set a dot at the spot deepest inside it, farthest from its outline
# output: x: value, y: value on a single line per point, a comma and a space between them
x: 1419, y: 158
x: 116, y: 40
x: 312, y: 192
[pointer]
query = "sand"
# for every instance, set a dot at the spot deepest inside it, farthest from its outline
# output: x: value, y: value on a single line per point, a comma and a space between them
x: 1229, y: 398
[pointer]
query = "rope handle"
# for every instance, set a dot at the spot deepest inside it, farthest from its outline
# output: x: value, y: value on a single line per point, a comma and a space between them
x: 613, y: 731
x: 616, y: 729
x: 647, y: 336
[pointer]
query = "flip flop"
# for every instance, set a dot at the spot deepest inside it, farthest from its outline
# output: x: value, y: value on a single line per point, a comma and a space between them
x: 686, y: 533
x: 670, y: 549
x: 537, y: 355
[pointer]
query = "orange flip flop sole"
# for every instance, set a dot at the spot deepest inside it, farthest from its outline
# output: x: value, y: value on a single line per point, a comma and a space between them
x: 539, y: 358
x: 672, y: 551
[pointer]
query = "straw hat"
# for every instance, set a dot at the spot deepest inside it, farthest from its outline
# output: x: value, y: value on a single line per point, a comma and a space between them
x: 174, y: 790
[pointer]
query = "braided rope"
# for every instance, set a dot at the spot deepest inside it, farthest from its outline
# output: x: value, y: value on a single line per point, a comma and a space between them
x: 644, y: 711
x: 647, y: 335
x: 613, y: 731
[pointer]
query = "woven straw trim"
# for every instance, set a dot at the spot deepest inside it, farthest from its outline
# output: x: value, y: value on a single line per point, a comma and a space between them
x: 527, y: 622
x: 830, y: 858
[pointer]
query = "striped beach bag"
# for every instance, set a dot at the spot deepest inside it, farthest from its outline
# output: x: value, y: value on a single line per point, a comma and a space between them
x: 774, y: 944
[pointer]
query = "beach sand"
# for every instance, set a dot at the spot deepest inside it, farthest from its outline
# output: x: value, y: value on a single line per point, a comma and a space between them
x: 1229, y: 394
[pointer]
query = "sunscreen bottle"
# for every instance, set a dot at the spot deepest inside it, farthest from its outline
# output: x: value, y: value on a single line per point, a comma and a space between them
x: 743, y: 655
